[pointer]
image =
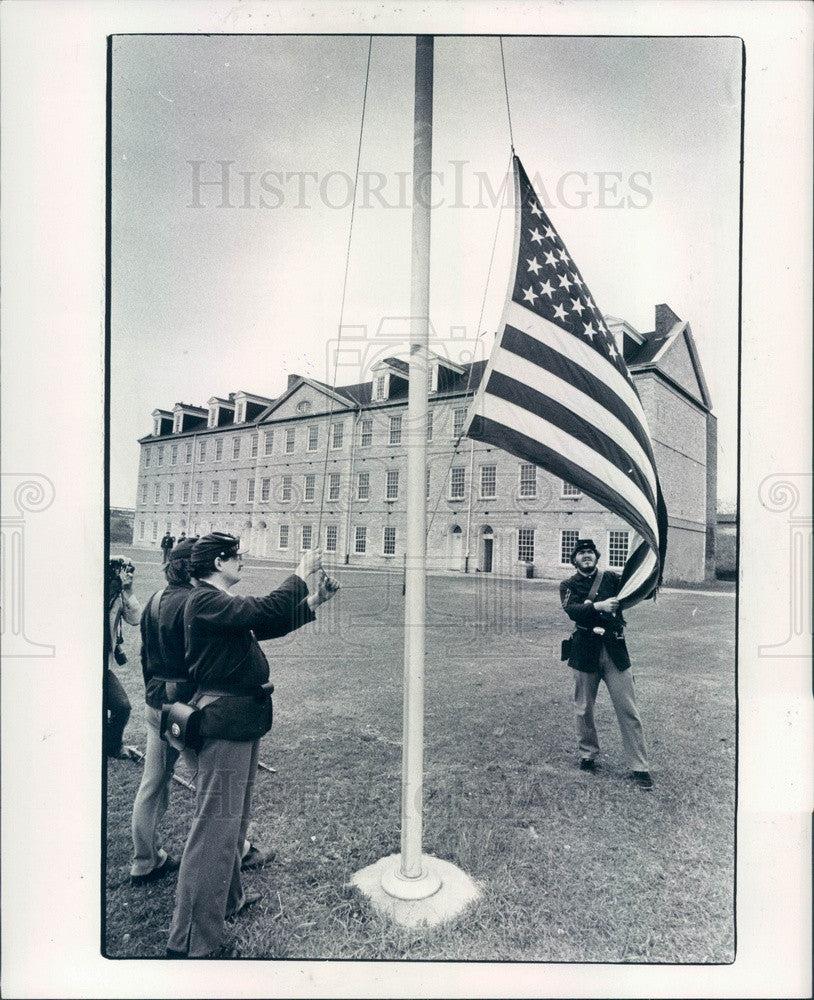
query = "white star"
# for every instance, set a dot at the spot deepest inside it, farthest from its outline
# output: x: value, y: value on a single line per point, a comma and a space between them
x: 550, y: 234
x: 564, y: 257
x: 535, y: 210
x: 550, y: 258
x: 612, y: 350
x: 577, y: 306
x: 530, y: 295
x: 559, y: 312
x: 565, y: 281
x: 533, y: 265
x: 589, y: 331
x: 536, y: 236
x: 547, y: 289
x: 577, y: 281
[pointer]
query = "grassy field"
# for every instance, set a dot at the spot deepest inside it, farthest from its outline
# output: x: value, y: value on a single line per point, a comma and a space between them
x: 572, y: 866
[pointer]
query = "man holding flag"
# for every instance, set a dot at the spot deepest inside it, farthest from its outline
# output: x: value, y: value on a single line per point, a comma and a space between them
x: 597, y: 651
x: 557, y: 393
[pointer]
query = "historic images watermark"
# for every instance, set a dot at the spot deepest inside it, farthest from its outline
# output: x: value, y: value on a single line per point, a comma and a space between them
x: 228, y: 184
x: 783, y: 493
x: 23, y: 493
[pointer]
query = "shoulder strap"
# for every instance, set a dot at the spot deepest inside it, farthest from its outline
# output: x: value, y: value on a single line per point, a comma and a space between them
x: 152, y: 610
x: 595, y: 585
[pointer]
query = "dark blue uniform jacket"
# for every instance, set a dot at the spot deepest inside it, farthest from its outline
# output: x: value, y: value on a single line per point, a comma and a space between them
x: 586, y: 644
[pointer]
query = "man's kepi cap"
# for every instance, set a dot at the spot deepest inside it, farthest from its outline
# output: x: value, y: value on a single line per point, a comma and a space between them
x: 183, y: 549
x: 210, y: 547
x: 584, y: 545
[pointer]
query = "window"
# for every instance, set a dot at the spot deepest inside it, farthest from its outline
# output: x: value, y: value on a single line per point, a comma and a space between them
x: 265, y: 488
x: 176, y: 423
x: 215, y: 490
x: 219, y: 449
x: 174, y: 455
x: 185, y: 492
x: 367, y: 434
x: 198, y: 491
x: 429, y: 425
x: 169, y: 527
x: 618, y: 543
x: 213, y: 416
x: 392, y: 488
x: 285, y: 488
x: 240, y: 412
x: 232, y: 498
x: 310, y: 481
x: 289, y: 440
x: 250, y: 491
x: 331, y: 536
x: 188, y: 454
x: 360, y: 540
x: 363, y: 486
x: 333, y: 486
x: 147, y: 456
x: 156, y: 492
x: 389, y: 541
x: 254, y: 444
x: 395, y: 430
x: 144, y: 493
x: 268, y: 442
x: 141, y: 530
x: 570, y: 491
x: 170, y: 492
x: 307, y: 534
x: 458, y: 420
x: 202, y: 451
x: 428, y: 484
x: 525, y: 545
x: 568, y: 539
x: 379, y: 387
x: 236, y: 447
x: 313, y: 437
x: 282, y: 542
x: 488, y: 482
x: 457, y: 483
x: 337, y: 433
x: 160, y: 454
x: 528, y: 480
x: 155, y: 530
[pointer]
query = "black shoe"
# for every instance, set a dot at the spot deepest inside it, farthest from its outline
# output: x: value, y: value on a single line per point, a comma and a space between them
x: 248, y: 900
x: 169, y: 865
x: 588, y: 764
x: 642, y: 779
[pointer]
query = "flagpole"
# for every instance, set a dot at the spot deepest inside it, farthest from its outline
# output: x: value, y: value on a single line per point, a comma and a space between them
x: 412, y: 887
x: 412, y: 877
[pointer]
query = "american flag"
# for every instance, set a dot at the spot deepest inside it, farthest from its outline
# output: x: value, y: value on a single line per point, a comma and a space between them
x: 556, y: 392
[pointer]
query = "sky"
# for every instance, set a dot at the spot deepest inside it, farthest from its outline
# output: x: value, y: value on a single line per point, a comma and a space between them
x: 634, y: 145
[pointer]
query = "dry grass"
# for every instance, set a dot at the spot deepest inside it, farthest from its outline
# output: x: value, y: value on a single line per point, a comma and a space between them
x: 573, y: 867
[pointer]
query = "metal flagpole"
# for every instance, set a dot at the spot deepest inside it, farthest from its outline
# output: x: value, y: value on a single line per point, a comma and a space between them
x: 413, y: 887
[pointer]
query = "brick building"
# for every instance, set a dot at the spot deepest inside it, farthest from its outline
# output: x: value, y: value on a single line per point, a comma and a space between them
x: 263, y: 468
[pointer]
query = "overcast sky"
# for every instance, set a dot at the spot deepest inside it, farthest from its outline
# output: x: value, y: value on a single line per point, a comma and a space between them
x: 634, y: 142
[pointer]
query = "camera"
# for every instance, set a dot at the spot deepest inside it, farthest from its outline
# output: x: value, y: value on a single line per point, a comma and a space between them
x: 119, y: 654
x: 117, y: 564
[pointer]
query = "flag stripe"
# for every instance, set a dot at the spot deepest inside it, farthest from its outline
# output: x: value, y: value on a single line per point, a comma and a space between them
x: 587, y: 408
x: 541, y: 405
x: 594, y: 390
x: 521, y: 434
x: 578, y: 351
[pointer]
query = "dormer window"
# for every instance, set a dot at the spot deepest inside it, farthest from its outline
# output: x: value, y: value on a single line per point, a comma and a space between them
x: 176, y: 423
x: 380, y: 387
x: 240, y: 412
x: 156, y: 426
x: 213, y: 417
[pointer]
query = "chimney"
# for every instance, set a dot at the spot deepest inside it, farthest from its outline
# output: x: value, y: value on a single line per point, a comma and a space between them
x: 292, y: 379
x: 666, y: 319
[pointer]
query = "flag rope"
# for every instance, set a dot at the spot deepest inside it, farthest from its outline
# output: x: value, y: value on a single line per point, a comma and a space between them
x: 344, y: 290
x: 506, y: 88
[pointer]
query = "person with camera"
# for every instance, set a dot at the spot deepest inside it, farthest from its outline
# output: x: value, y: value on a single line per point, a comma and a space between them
x: 122, y: 605
x: 233, y: 700
x: 597, y: 651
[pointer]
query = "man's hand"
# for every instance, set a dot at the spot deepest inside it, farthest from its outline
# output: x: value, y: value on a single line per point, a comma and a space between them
x: 311, y: 561
x: 610, y: 605
x: 327, y: 588
x: 126, y: 576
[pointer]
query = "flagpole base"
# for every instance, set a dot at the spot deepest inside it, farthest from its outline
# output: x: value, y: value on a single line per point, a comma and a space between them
x: 440, y: 894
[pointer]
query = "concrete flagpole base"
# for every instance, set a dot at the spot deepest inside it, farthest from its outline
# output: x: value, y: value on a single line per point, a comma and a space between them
x: 440, y: 894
